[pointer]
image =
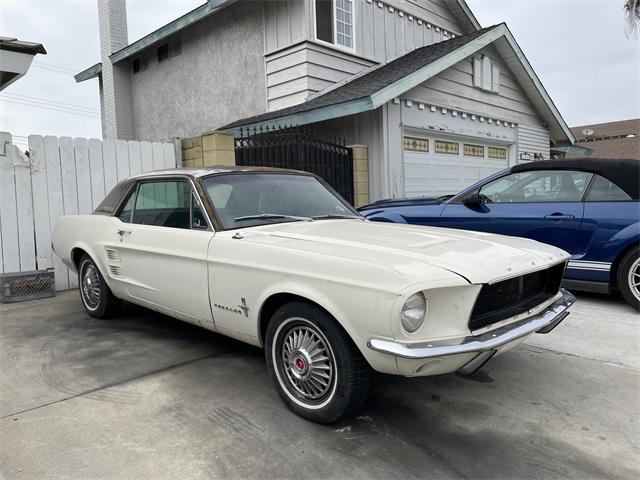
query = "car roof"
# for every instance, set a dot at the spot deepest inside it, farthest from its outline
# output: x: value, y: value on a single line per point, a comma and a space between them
x: 624, y: 172
x: 199, y: 172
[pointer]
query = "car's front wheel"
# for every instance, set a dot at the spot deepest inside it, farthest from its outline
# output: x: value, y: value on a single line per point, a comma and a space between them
x: 629, y: 277
x: 317, y: 370
x: 97, y: 298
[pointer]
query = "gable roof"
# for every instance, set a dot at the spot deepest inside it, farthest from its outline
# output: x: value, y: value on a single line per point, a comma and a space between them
x: 385, y: 82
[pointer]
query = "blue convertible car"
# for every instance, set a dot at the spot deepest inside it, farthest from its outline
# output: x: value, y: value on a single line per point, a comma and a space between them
x: 588, y: 207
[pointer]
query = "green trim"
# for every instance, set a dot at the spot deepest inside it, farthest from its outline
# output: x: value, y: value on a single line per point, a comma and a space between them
x: 91, y: 72
x: 305, y: 117
x: 169, y: 29
x: 573, y: 149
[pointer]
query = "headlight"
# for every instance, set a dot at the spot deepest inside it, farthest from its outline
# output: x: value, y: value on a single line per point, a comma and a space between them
x: 413, y: 312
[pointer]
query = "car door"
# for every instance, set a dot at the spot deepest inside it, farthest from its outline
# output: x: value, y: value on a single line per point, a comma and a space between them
x: 542, y: 205
x: 610, y: 215
x: 163, y: 249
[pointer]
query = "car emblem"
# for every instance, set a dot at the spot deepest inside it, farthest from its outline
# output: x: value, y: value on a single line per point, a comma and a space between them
x: 244, y: 307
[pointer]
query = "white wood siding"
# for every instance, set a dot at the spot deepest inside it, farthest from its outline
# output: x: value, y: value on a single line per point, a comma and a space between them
x: 61, y: 176
x: 304, y: 69
x: 533, y: 139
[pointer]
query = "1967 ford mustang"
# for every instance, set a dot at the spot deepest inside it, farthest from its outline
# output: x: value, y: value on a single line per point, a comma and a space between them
x: 277, y: 259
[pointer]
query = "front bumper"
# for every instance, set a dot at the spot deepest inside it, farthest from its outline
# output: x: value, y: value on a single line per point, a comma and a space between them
x: 491, y: 341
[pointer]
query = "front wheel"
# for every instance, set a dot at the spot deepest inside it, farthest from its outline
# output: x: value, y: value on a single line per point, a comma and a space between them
x: 317, y: 370
x: 97, y: 298
x: 629, y: 278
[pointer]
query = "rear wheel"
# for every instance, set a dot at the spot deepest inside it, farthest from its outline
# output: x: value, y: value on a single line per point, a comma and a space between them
x: 629, y: 278
x: 97, y: 298
x: 315, y: 367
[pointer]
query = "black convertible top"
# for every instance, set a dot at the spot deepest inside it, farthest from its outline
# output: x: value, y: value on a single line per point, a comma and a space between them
x: 625, y: 173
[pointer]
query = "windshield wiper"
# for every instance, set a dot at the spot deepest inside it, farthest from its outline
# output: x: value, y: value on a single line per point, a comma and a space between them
x: 272, y: 216
x: 332, y: 216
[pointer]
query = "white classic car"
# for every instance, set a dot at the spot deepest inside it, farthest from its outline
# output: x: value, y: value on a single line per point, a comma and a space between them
x: 277, y: 259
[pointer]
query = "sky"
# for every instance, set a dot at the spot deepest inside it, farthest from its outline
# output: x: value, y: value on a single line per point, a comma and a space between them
x: 578, y: 48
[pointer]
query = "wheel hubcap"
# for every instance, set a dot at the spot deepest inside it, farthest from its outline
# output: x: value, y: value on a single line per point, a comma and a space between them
x: 91, y: 286
x: 634, y: 278
x: 308, y: 362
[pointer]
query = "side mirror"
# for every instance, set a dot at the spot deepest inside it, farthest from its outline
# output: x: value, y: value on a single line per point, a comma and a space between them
x: 473, y: 199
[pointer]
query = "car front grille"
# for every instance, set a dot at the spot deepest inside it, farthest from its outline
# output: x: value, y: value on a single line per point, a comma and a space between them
x: 507, y: 298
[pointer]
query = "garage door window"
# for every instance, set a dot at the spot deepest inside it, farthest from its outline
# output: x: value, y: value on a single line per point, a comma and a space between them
x: 448, y: 148
x: 537, y: 187
x: 498, y: 152
x: 415, y: 144
x: 473, y: 150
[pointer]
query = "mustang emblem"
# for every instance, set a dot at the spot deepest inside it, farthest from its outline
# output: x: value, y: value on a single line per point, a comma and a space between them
x: 242, y: 308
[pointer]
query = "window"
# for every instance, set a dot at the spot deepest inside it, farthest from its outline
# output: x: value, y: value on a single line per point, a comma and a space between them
x: 486, y: 74
x: 538, y: 186
x: 473, y: 150
x: 125, y: 213
x: 334, y: 22
x: 414, y: 144
x: 139, y: 65
x: 498, y: 152
x: 164, y: 204
x: 449, y: 148
x: 198, y: 219
x: 169, y: 50
x: 241, y: 200
x: 604, y: 190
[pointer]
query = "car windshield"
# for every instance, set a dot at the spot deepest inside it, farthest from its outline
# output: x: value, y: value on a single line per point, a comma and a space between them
x: 250, y: 199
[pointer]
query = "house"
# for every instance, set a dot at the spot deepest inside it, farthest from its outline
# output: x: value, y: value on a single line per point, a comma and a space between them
x: 15, y: 59
x: 610, y: 140
x: 432, y: 101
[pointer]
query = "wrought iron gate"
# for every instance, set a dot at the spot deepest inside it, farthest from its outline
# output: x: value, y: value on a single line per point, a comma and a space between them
x: 299, y: 149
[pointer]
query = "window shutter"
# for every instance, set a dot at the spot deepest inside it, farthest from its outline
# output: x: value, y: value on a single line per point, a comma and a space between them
x: 486, y: 72
x: 477, y: 72
x: 495, y: 78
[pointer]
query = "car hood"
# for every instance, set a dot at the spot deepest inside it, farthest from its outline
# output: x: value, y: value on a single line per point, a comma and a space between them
x: 477, y: 256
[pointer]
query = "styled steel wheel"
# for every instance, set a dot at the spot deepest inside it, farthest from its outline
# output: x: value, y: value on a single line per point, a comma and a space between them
x: 315, y: 367
x: 90, y: 286
x: 628, y: 277
x: 97, y: 298
x: 633, y: 278
x: 305, y: 362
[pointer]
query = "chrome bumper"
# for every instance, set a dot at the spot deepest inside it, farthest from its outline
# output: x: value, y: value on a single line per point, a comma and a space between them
x: 543, y: 322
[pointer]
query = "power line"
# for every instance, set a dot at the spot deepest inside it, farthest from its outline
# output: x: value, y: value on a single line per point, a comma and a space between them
x: 53, y: 68
x: 52, y: 107
x: 47, y: 102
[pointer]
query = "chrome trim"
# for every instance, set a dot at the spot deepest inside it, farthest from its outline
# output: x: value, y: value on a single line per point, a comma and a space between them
x: 587, y: 265
x: 491, y: 340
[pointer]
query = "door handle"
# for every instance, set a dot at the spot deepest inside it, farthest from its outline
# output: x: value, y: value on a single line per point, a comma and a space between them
x: 122, y: 233
x: 560, y: 216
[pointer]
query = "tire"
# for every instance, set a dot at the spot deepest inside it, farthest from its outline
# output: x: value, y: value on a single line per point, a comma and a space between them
x: 322, y: 391
x: 629, y: 278
x: 96, y: 296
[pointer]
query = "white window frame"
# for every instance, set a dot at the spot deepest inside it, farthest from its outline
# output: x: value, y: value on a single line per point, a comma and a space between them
x: 335, y: 43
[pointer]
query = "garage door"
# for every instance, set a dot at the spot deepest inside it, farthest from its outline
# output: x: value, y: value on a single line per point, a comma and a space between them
x: 434, y: 166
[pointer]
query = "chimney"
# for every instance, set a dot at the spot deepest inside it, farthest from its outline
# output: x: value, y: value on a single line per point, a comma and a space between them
x: 115, y: 84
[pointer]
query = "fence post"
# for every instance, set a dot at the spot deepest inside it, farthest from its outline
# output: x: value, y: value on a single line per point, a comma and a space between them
x: 218, y: 148
x: 360, y: 174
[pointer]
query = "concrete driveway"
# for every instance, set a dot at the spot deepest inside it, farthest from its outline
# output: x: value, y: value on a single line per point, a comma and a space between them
x: 146, y: 396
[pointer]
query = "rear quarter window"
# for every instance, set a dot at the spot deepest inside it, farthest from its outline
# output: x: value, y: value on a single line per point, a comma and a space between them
x: 604, y: 190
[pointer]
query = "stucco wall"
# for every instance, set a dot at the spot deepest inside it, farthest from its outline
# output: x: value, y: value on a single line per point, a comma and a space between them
x: 219, y: 77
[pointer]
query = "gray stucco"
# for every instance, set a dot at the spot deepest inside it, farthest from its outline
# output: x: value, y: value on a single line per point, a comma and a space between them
x: 218, y: 77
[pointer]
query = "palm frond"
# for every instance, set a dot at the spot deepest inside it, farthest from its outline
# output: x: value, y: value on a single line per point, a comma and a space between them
x: 632, y: 13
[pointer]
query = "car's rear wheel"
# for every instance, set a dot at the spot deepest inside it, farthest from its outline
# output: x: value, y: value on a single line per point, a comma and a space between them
x: 316, y: 369
x: 629, y: 277
x: 97, y: 298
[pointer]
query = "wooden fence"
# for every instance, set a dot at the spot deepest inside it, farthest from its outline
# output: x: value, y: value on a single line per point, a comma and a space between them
x: 61, y: 176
